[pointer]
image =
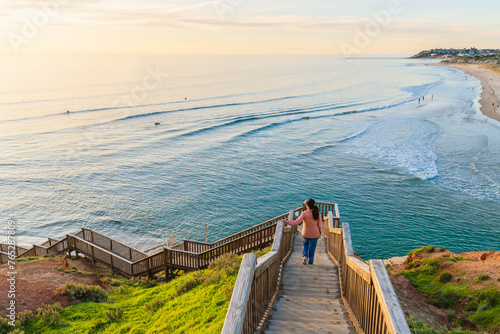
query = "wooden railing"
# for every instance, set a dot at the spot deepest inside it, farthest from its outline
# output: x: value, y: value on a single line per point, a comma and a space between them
x: 112, y: 245
x: 49, y: 242
x: 99, y: 254
x: 187, y: 256
x: 8, y: 252
x: 257, y: 284
x: 366, y: 289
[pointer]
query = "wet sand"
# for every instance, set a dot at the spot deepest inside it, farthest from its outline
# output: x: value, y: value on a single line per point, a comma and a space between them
x: 490, y: 100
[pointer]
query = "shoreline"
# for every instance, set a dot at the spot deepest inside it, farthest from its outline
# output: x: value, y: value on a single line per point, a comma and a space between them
x: 490, y: 81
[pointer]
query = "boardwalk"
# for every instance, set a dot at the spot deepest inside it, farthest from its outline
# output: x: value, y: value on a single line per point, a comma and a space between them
x: 310, y: 296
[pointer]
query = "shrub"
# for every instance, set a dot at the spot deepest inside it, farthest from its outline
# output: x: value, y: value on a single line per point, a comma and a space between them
x: 146, y: 282
x: 471, y: 306
x: 430, y: 267
x: 445, y: 277
x: 50, y: 314
x: 17, y: 331
x: 228, y: 264
x: 114, y: 314
x: 4, y: 325
x: 192, y: 282
x: 410, y: 265
x: 155, y: 304
x: 25, y: 317
x: 444, y: 299
x: 487, y: 319
x: 491, y: 297
x: 82, y: 292
x: 419, y: 327
x: 482, y: 278
x: 452, y: 314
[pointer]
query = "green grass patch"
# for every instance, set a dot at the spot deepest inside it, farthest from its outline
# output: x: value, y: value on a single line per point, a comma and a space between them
x: 463, y: 303
x: 487, y: 319
x: 82, y: 292
x: 482, y: 278
x: 29, y: 259
x: 426, y: 249
x: 419, y: 327
x: 445, y: 277
x: 193, y: 303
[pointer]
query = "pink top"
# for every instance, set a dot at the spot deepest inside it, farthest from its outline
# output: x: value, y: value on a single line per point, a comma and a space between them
x: 312, y: 228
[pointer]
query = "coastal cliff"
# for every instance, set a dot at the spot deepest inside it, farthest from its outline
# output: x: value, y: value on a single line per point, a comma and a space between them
x: 440, y: 289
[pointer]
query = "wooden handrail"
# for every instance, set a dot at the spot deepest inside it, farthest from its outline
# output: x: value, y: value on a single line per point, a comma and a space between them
x: 387, y: 295
x: 272, y: 221
x: 257, y: 285
x: 366, y: 289
x: 197, y: 242
x: 239, y: 300
x: 69, y: 236
x: 113, y: 241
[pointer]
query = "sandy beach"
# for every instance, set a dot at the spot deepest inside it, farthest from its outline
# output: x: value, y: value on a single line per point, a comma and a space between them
x: 490, y: 101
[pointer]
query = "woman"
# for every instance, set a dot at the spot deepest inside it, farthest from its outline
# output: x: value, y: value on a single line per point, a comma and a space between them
x: 311, y: 231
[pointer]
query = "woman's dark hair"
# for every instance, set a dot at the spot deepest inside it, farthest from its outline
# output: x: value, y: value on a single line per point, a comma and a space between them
x: 312, y: 205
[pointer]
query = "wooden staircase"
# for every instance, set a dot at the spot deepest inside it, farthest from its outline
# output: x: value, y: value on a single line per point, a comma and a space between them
x: 309, y: 299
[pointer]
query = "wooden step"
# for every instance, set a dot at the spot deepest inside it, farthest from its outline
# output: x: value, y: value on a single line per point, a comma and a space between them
x: 309, y: 300
x: 313, y: 326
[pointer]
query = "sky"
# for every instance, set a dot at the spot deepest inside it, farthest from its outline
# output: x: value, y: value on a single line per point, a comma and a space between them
x: 351, y: 28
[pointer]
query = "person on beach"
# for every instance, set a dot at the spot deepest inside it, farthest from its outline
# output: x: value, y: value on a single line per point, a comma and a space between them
x: 311, y: 231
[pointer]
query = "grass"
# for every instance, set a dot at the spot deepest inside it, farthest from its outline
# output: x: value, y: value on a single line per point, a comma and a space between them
x: 419, y: 327
x: 193, y: 303
x: 464, y: 304
x: 426, y: 249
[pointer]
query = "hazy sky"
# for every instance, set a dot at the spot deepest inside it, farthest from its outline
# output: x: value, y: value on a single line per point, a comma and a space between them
x: 245, y: 26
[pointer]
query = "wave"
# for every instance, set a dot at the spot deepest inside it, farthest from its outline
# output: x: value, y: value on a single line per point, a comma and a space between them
x: 383, y: 143
x: 176, y: 102
x: 476, y: 158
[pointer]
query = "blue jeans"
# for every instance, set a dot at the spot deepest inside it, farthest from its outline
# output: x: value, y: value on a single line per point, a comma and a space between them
x: 308, y: 248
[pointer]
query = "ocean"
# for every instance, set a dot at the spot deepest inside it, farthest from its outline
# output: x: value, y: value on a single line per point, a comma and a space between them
x: 138, y: 147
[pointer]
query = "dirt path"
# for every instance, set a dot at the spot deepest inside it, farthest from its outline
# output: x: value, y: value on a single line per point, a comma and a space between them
x: 36, y: 281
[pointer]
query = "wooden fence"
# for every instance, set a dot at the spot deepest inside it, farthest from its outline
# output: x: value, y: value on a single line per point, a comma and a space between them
x: 257, y: 284
x: 112, y: 245
x: 187, y: 256
x: 194, y: 255
x: 8, y: 252
x: 366, y: 288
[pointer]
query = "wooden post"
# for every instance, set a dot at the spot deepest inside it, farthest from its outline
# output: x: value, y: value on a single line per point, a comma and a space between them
x: 389, y: 302
x: 148, y: 268
x: 206, y: 233
x: 171, y: 265
x: 165, y: 262
x: 111, y: 262
x: 278, y: 236
x: 238, y: 306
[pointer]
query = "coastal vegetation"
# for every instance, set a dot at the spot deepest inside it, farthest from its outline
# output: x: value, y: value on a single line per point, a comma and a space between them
x: 472, y: 304
x: 194, y: 302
